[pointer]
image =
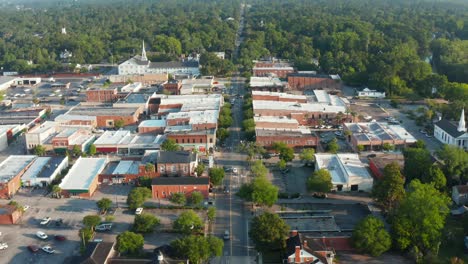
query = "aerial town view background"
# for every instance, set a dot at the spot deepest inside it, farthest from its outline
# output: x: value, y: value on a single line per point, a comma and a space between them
x: 225, y: 132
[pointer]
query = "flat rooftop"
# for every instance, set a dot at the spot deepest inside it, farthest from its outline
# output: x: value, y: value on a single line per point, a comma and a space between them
x: 375, y: 131
x: 126, y: 167
x: 153, y: 123
x: 82, y: 174
x: 196, y: 117
x: 298, y: 107
x: 343, y: 167
x: 134, y: 98
x: 103, y: 111
x: 275, y: 119
x: 283, y: 132
x: 67, y: 117
x: 114, y: 138
x: 13, y: 165
x: 43, y: 167
x: 280, y: 95
x: 265, y: 82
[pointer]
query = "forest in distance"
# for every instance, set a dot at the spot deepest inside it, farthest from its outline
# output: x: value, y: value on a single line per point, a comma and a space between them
x: 406, y: 48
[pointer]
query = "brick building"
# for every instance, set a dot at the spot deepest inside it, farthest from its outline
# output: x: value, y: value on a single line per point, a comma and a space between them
x: 101, y: 95
x: 82, y: 179
x: 164, y: 187
x: 153, y: 126
x: 272, y: 67
x: 106, y: 117
x: 295, y: 138
x: 270, y: 84
x: 11, y: 171
x: 310, y: 81
x: 180, y: 163
x: 377, y: 164
x: 279, y: 97
x: 9, y: 215
x: 172, y: 87
x: 202, y: 140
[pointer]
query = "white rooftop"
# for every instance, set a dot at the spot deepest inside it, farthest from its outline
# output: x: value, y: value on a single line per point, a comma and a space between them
x: 275, y: 119
x: 113, y: 137
x: 345, y: 168
x: 153, y: 123
x: 298, y: 107
x: 82, y: 174
x: 265, y: 81
x: 44, y: 127
x: 281, y: 95
x: 196, y: 117
x: 366, y: 131
x: 35, y: 168
x: 67, y: 117
x: 13, y: 165
x: 5, y: 128
x: 126, y: 167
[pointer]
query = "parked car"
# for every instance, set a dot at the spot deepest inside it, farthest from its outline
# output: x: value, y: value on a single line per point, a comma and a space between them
x: 139, y: 210
x: 60, y: 238
x: 59, y: 222
x: 320, y: 195
x: 33, y: 248
x: 234, y: 170
x: 227, y: 168
x: 103, y: 227
x: 45, y: 220
x: 48, y: 249
x: 3, y: 246
x: 26, y: 207
x: 226, y: 235
x: 41, y: 235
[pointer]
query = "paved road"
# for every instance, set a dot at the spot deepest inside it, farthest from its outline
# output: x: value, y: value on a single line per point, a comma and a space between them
x: 231, y: 213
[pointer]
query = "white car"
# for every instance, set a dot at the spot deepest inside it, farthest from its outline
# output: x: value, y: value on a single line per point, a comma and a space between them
x: 45, y: 220
x: 41, y: 235
x: 3, y: 246
x: 48, y: 249
x: 138, y: 211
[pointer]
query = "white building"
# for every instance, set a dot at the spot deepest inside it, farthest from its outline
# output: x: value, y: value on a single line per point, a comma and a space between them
x: 141, y: 65
x: 347, y: 171
x: 82, y: 179
x: 43, y: 171
x: 366, y: 92
x: 132, y: 87
x: 451, y: 134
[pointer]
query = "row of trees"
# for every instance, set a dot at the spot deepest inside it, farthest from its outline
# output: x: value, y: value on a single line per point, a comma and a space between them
x: 260, y: 190
x: 94, y: 36
x: 355, y: 39
x: 224, y: 122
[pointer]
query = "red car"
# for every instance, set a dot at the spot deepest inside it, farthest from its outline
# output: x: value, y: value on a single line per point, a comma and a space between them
x: 33, y: 248
x: 60, y: 238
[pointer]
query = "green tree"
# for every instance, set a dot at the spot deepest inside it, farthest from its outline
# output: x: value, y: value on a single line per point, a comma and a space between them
x: 388, y: 147
x: 417, y: 161
x: 211, y: 213
x: 119, y: 123
x: 285, y: 153
x: 104, y: 204
x: 76, y: 150
x: 333, y: 146
x: 200, y: 169
x: 90, y: 221
x: 319, y: 181
x: 420, y: 144
x: 307, y: 155
x: 86, y: 234
x: 389, y: 191
x: 258, y: 169
x: 455, y: 162
x: 196, y: 198
x: 56, y: 190
x: 149, y: 167
x: 145, y: 181
x: 92, y: 150
x: 268, y: 232
x: 39, y: 150
x: 216, y: 176
x: 282, y: 164
x: 137, y: 197
x: 178, y: 198
x: 145, y: 223
x: 188, y: 222
x: 436, y: 177
x: 370, y: 236
x: 360, y: 148
x: 260, y: 191
x: 198, y: 249
x: 130, y: 243
x: 170, y: 145
x: 420, y: 218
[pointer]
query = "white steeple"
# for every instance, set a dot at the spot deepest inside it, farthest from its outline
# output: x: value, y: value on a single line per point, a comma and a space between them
x: 461, y: 123
x: 143, y: 53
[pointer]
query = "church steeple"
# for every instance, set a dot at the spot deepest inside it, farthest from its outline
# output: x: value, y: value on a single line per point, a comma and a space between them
x: 461, y: 123
x: 143, y: 53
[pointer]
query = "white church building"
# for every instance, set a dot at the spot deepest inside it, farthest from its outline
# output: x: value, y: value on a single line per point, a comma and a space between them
x: 451, y: 134
x: 141, y: 65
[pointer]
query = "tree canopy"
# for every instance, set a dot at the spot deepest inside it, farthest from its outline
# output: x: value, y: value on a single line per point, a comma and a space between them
x: 198, y: 249
x: 145, y: 223
x: 260, y: 191
x: 188, y: 222
x: 370, y: 236
x: 170, y: 145
x: 104, y: 204
x: 178, y: 198
x: 319, y: 181
x: 420, y: 218
x: 129, y: 243
x: 389, y: 191
x: 216, y: 176
x: 268, y: 231
x: 307, y: 155
x: 137, y: 197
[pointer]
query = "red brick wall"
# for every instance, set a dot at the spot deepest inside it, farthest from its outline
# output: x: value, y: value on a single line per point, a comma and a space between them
x: 164, y: 191
x: 307, y: 83
x: 128, y: 120
x: 277, y: 98
x: 375, y: 171
x: 182, y: 139
x: 172, y: 88
x: 166, y: 169
x: 204, y: 126
x: 304, y: 141
x: 151, y: 130
x: 275, y: 125
x: 104, y: 96
x: 178, y: 121
x: 10, y: 218
x: 11, y: 187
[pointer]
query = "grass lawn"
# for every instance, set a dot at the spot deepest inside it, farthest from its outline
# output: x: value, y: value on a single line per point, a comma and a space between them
x: 452, y: 240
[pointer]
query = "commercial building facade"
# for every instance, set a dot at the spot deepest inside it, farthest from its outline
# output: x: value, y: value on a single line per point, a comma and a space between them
x: 165, y: 187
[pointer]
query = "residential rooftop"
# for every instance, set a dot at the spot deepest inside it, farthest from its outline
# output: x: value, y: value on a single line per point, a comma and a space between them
x: 82, y: 174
